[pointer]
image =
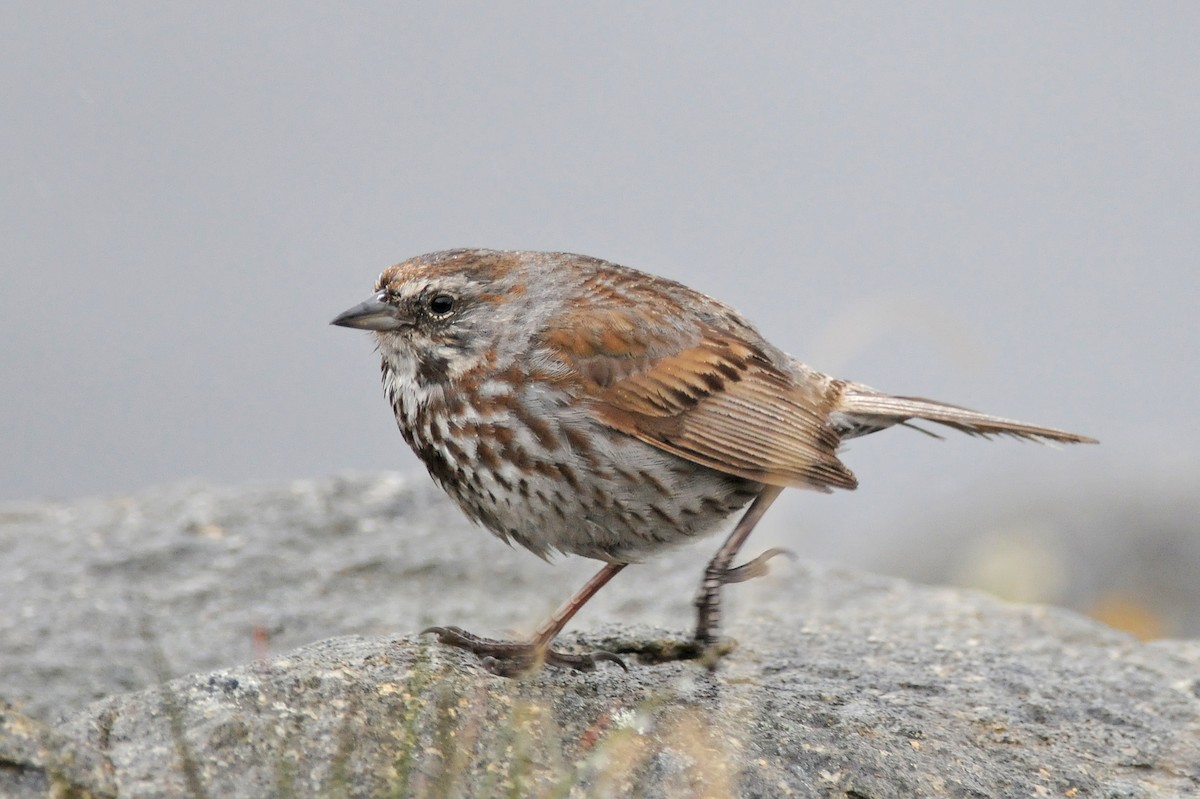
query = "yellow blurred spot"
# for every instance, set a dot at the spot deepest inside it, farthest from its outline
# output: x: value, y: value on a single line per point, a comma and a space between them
x: 1129, y: 614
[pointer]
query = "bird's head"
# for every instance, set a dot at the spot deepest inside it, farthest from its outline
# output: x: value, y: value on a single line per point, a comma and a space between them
x: 438, y: 316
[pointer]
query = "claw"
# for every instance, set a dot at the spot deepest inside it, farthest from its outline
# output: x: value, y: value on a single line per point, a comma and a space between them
x: 452, y: 635
x: 757, y: 567
x: 601, y: 657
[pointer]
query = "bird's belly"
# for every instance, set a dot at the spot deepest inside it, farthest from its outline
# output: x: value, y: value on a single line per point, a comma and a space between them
x: 617, y: 499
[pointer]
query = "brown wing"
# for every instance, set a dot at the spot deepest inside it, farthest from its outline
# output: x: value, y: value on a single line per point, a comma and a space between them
x: 719, y: 402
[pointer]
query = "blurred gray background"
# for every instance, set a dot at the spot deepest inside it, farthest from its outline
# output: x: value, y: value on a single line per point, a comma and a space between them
x: 993, y: 205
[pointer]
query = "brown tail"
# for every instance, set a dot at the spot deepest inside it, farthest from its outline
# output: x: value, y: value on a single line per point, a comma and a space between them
x: 861, y: 410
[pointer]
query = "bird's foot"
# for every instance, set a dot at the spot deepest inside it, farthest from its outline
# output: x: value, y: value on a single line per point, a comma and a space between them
x: 514, y: 658
x: 757, y: 567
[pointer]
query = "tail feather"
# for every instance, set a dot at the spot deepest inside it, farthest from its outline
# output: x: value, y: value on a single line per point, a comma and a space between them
x: 865, y: 411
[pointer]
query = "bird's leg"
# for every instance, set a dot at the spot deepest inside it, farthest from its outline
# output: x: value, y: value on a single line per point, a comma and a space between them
x: 510, y: 658
x: 718, y: 572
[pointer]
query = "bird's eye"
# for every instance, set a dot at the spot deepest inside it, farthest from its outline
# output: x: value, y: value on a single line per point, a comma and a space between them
x: 441, y: 304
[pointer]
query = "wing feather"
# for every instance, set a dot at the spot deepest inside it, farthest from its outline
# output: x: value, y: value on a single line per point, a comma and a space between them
x: 727, y: 407
x: 684, y: 373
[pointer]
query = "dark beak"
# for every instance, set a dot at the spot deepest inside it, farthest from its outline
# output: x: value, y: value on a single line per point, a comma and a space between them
x: 374, y: 314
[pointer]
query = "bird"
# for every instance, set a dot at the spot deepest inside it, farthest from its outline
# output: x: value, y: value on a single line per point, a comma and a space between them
x: 573, y: 405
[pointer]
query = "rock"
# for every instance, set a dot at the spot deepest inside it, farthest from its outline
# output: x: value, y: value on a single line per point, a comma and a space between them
x: 862, y: 687
x: 844, y: 684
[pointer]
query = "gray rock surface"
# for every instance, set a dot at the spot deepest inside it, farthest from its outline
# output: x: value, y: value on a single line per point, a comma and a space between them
x: 843, y: 684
